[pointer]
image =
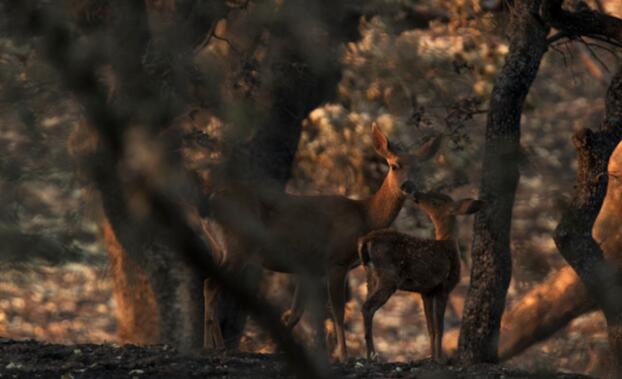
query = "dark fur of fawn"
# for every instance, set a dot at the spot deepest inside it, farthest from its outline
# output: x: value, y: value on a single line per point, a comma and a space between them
x: 314, y: 237
x: 396, y: 261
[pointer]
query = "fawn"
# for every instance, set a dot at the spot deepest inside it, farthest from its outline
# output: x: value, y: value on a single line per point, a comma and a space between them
x: 396, y: 261
x: 315, y: 237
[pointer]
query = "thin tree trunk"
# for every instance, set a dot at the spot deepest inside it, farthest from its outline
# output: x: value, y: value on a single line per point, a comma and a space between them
x: 491, y: 268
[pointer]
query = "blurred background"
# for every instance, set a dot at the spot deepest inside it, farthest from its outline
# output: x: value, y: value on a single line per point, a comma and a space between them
x: 414, y: 79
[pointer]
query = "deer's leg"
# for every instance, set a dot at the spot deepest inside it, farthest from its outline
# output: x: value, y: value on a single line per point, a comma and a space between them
x: 376, y: 299
x: 337, y: 294
x: 314, y: 289
x: 292, y: 316
x: 440, y: 301
x: 428, y: 309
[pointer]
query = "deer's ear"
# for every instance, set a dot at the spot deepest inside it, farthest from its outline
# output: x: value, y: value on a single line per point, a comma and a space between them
x: 381, y: 143
x: 467, y: 206
x: 428, y: 149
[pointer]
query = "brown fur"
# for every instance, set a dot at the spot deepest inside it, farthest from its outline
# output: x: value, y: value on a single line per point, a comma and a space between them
x: 396, y: 261
x: 313, y: 236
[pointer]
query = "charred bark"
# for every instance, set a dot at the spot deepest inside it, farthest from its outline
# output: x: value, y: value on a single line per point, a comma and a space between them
x: 599, y: 270
x: 159, y: 299
x: 161, y: 225
x: 491, y: 268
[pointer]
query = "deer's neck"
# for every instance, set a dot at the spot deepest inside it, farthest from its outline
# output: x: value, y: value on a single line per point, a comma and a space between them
x: 382, y: 208
x: 447, y: 232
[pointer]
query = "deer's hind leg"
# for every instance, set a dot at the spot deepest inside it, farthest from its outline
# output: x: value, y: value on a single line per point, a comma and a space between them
x: 440, y: 302
x: 381, y: 292
x: 428, y: 309
x: 292, y: 316
x: 337, y: 295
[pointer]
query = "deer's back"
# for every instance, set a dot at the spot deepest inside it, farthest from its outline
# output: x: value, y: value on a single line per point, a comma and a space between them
x: 419, y: 265
x: 310, y: 232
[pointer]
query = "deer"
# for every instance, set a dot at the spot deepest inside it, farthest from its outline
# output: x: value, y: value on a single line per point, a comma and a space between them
x: 397, y: 261
x: 315, y: 237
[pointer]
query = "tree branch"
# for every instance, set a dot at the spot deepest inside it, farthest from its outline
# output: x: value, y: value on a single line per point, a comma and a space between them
x: 582, y: 22
x: 165, y: 220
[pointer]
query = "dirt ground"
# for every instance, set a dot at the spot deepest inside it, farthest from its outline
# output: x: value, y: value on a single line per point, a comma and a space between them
x: 71, y: 304
x: 30, y: 359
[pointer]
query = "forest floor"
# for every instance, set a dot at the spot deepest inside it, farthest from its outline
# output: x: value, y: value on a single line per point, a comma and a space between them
x: 31, y: 359
x: 71, y: 304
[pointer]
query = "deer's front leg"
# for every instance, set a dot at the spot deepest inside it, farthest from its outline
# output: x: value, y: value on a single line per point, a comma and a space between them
x: 376, y: 298
x: 440, y: 302
x: 428, y: 309
x: 337, y: 294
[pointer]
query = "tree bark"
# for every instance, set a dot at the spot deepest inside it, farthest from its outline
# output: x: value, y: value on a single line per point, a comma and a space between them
x: 157, y: 294
x: 537, y: 315
x: 543, y: 311
x: 491, y: 268
x: 136, y: 312
x: 157, y: 229
x: 598, y: 265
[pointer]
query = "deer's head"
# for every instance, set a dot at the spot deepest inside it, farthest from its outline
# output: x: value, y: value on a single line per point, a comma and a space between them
x: 442, y: 210
x: 403, y: 167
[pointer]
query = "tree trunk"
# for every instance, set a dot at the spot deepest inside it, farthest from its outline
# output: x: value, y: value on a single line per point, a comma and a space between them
x: 157, y: 293
x: 598, y: 262
x: 541, y: 312
x: 137, y: 318
x: 537, y: 315
x: 491, y: 268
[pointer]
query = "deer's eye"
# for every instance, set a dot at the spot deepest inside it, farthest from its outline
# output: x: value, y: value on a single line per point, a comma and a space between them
x: 394, y: 166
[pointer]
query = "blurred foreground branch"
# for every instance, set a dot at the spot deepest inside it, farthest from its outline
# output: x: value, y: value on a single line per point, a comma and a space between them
x: 163, y: 225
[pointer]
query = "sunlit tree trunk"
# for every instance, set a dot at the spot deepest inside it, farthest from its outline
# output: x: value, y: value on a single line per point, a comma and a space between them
x: 544, y: 310
x: 598, y: 264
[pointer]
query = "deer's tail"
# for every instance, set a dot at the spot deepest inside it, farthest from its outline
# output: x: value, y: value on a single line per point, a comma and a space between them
x: 363, y: 250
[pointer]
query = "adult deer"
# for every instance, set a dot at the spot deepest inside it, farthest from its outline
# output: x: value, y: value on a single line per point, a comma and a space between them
x: 314, y: 236
x: 395, y: 261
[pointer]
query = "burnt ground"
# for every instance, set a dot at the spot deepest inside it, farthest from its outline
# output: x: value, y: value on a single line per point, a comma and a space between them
x: 32, y: 359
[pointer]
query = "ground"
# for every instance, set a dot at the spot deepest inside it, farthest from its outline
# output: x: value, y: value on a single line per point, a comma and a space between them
x: 71, y: 304
x: 31, y: 359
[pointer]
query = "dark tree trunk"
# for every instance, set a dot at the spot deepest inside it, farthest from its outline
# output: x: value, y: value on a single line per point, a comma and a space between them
x: 158, y: 232
x: 598, y: 265
x: 491, y: 268
x: 158, y: 293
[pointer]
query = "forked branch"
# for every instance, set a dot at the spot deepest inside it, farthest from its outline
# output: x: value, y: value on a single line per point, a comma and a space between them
x: 583, y: 22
